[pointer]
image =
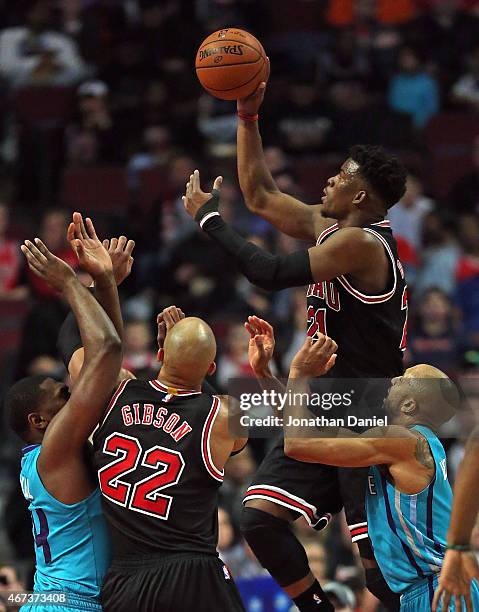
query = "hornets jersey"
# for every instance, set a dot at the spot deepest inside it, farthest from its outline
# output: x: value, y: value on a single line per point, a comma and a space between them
x: 72, y: 545
x: 408, y: 532
x: 370, y: 330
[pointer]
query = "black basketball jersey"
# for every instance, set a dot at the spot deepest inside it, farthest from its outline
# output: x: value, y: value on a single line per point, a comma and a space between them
x: 370, y: 330
x: 158, y: 481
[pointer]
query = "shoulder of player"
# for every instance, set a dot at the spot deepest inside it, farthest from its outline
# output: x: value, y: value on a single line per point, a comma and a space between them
x: 228, y: 406
x: 396, y: 441
x: 355, y: 236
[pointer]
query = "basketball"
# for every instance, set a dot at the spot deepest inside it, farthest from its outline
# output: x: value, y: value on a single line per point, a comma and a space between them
x: 231, y: 63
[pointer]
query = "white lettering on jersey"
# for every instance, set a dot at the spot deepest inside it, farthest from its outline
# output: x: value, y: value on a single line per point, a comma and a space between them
x: 25, y: 488
x: 372, y: 486
x: 443, y: 465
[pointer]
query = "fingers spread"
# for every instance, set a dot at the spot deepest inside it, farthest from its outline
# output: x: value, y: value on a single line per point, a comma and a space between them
x: 130, y: 245
x: 113, y: 244
x: 42, y: 247
x: 91, y: 228
x: 122, y: 240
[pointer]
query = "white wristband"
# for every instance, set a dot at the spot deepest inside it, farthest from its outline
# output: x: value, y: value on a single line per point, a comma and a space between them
x: 209, y: 216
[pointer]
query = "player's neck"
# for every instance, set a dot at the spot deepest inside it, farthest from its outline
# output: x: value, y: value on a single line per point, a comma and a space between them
x: 170, y: 379
x: 360, y: 218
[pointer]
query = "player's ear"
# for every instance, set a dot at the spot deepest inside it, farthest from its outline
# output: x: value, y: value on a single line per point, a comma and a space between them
x: 409, y: 406
x: 160, y: 355
x: 211, y: 369
x: 359, y: 198
x: 37, y: 421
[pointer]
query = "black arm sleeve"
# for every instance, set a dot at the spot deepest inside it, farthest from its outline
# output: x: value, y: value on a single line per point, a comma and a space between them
x: 69, y: 339
x: 270, y: 272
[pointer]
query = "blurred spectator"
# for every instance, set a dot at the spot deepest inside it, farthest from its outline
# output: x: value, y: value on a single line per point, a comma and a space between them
x: 407, y: 215
x: 10, y: 261
x: 466, y: 89
x: 234, y: 551
x: 138, y: 354
x: 238, y: 474
x: 317, y: 557
x: 157, y: 153
x: 234, y: 362
x: 434, y: 334
x: 35, y: 54
x: 445, y: 33
x: 93, y: 137
x: 47, y: 365
x: 341, y: 12
x: 467, y: 277
x: 439, y: 256
x: 464, y: 195
x: 9, y: 583
x: 412, y: 90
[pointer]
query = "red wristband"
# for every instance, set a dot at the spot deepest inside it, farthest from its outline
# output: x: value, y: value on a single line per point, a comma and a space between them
x: 249, y: 118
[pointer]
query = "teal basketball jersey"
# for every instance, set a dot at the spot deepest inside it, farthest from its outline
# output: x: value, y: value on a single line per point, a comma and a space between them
x: 72, y: 546
x: 408, y: 532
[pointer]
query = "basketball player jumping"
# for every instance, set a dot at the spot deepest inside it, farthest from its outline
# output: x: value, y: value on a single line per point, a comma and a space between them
x: 408, y: 496
x: 71, y: 539
x: 356, y: 294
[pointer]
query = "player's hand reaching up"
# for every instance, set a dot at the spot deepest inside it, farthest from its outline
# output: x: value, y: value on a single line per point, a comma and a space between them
x: 167, y: 319
x: 92, y: 255
x: 195, y: 198
x: 120, y: 251
x: 261, y: 345
x: 44, y: 264
x: 458, y: 569
x: 251, y: 104
x: 314, y: 358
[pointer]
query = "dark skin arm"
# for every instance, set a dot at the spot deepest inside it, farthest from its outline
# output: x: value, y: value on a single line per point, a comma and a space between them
x: 61, y: 463
x: 460, y: 568
x: 349, y: 250
x: 262, y: 196
x: 405, y: 453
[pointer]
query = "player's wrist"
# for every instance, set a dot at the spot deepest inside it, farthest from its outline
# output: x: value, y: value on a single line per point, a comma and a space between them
x: 248, y: 117
x: 209, y: 210
x: 105, y: 279
x: 459, y: 547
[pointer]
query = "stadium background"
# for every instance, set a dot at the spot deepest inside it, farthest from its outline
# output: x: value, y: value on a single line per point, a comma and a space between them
x: 101, y: 112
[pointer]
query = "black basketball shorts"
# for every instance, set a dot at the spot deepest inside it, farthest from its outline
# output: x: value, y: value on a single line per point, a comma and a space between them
x: 314, y: 491
x: 170, y: 583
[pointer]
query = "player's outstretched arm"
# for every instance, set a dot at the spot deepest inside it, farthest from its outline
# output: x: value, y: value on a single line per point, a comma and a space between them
x: 70, y: 428
x: 262, y: 196
x: 348, y: 251
x: 460, y: 565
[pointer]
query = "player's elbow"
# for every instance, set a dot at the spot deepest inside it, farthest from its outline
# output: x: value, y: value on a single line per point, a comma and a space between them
x: 111, y: 344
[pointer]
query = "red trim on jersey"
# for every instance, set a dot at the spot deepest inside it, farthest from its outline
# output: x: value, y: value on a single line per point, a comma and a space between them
x: 211, y: 468
x: 326, y: 232
x: 359, y: 531
x: 259, y: 492
x: 116, y: 395
x: 159, y: 386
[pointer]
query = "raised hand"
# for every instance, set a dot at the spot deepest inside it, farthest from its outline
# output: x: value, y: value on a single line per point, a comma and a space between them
x: 120, y: 251
x: 261, y: 345
x: 167, y: 319
x: 44, y: 264
x: 92, y: 255
x: 314, y: 358
x: 194, y: 197
x: 251, y: 104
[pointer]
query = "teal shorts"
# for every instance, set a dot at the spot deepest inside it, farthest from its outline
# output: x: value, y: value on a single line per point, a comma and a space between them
x: 74, y: 604
x: 419, y: 597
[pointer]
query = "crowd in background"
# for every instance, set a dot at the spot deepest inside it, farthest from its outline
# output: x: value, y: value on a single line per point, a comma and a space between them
x: 122, y: 94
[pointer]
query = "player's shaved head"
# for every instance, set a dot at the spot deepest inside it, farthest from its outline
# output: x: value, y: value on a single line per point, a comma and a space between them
x: 424, y: 394
x: 189, y: 350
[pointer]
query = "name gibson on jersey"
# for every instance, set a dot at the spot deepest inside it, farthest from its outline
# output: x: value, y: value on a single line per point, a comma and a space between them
x: 145, y: 414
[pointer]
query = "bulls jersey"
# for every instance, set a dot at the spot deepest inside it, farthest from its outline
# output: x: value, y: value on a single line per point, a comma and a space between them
x: 156, y: 474
x: 370, y: 330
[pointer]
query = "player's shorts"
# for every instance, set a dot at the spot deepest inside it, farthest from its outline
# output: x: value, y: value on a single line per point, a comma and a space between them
x: 74, y: 603
x: 315, y: 491
x: 170, y: 583
x: 419, y: 597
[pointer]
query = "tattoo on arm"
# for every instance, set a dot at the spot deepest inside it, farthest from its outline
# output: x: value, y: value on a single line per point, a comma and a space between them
x: 423, y: 453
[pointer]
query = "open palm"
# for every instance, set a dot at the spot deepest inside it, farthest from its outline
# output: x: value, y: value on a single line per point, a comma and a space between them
x: 92, y: 255
x: 261, y: 344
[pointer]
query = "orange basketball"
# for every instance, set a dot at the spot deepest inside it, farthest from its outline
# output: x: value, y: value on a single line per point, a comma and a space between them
x: 231, y: 63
